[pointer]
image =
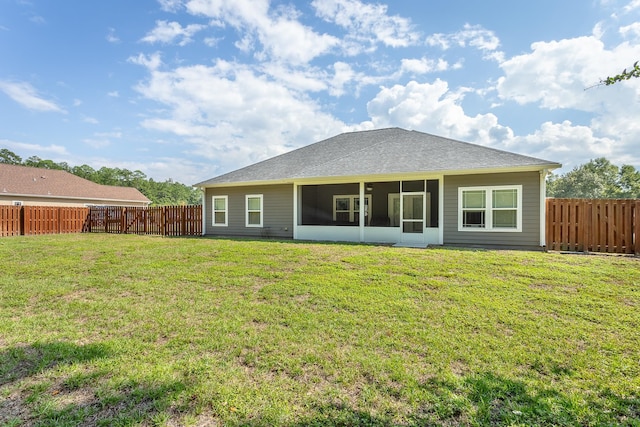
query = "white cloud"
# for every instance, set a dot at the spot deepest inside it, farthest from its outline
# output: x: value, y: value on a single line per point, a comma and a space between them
x: 435, y: 109
x: 167, y: 32
x: 470, y: 36
x: 555, y: 74
x: 631, y: 31
x: 152, y: 62
x: 228, y: 113
x: 27, y: 150
x: 423, y: 65
x: 27, y: 96
x: 111, y: 36
x: 113, y: 94
x: 368, y: 23
x: 633, y: 5
x: 170, y: 5
x: 281, y: 35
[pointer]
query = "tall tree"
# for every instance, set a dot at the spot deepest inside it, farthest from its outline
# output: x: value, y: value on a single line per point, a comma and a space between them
x: 597, y: 179
x: 9, y: 157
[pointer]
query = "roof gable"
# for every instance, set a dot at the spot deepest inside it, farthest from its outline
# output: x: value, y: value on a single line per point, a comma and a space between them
x: 379, y: 152
x: 30, y: 181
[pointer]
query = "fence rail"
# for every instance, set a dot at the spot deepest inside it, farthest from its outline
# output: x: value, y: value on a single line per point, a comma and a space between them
x: 157, y: 220
x: 593, y: 225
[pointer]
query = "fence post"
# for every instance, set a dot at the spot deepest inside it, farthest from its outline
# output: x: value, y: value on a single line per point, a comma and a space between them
x: 636, y: 229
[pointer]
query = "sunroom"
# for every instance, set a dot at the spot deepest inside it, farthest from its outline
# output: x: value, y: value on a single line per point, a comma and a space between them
x: 377, y: 211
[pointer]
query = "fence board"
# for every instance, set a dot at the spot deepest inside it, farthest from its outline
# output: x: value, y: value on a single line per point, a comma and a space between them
x: 590, y: 225
x: 10, y: 220
x: 157, y: 220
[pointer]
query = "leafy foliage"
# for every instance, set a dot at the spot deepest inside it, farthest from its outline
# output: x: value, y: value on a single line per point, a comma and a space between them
x: 597, y: 179
x: 167, y: 192
x: 625, y: 75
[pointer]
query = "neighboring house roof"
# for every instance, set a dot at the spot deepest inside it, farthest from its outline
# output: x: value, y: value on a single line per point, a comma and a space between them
x: 380, y: 152
x: 50, y: 183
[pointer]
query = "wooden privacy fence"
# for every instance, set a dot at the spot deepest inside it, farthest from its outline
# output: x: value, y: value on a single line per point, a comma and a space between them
x: 593, y: 225
x: 157, y: 220
x: 32, y: 220
x: 10, y: 220
x: 161, y: 220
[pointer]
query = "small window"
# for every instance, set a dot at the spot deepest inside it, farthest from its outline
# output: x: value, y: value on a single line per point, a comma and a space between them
x: 254, y: 210
x: 346, y: 208
x: 17, y: 203
x: 220, y: 212
x: 490, y: 208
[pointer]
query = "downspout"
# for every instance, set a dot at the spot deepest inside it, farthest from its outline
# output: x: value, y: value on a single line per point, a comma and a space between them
x: 543, y: 207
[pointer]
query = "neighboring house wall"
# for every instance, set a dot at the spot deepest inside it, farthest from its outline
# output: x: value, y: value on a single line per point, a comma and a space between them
x: 62, y: 202
x: 277, y: 211
x: 530, y: 234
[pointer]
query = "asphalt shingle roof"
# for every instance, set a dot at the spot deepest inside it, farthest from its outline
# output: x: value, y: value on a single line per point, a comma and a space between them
x: 30, y: 181
x: 378, y: 152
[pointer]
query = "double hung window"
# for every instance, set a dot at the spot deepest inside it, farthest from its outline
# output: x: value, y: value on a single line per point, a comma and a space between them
x: 497, y: 208
x: 220, y: 211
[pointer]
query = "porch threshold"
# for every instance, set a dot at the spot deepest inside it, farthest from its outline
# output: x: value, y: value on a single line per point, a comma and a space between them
x: 411, y: 245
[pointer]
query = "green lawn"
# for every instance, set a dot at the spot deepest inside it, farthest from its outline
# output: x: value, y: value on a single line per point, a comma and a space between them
x: 135, y: 330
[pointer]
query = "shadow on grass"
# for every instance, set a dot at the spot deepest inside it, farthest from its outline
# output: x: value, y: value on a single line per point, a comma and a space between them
x: 25, y: 361
x: 76, y: 399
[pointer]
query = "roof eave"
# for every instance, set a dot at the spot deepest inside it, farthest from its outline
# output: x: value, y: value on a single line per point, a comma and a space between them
x: 97, y: 199
x: 388, y: 176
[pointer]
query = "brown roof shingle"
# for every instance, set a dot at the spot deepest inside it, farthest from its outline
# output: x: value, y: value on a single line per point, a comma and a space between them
x: 30, y: 181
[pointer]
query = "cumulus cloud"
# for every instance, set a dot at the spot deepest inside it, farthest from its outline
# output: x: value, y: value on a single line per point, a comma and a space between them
x: 368, y: 23
x: 228, y: 111
x: 281, y: 35
x: 167, y: 32
x: 26, y: 95
x: 433, y: 108
x: 555, y: 74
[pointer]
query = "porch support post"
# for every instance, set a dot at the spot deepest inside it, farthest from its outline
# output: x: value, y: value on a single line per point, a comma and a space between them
x: 295, y: 211
x: 361, y: 212
x: 543, y: 206
x: 204, y: 210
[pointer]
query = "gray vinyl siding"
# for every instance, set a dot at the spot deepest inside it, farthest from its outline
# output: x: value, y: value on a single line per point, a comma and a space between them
x: 530, y: 235
x: 277, y: 219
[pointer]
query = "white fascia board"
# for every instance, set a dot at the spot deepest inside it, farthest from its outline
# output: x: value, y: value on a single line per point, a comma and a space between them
x: 385, y: 177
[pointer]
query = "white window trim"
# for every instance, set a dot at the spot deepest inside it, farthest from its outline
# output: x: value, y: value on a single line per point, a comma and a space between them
x: 213, y: 211
x: 353, y: 213
x: 489, y: 209
x: 246, y: 209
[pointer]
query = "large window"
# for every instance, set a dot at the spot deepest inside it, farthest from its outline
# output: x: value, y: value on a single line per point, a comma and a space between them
x: 490, y: 208
x: 254, y: 210
x: 346, y: 208
x: 220, y: 213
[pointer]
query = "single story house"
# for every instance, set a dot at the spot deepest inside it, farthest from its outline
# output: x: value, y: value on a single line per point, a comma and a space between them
x: 384, y: 186
x: 29, y: 186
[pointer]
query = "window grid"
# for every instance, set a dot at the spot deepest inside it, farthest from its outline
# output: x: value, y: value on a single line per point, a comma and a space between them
x: 254, y: 210
x: 220, y: 211
x: 490, y: 208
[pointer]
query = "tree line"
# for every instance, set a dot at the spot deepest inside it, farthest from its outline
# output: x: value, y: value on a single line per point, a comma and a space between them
x: 597, y: 179
x: 164, y: 193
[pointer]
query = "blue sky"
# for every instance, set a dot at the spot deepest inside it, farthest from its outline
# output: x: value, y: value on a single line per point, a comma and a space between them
x: 190, y: 89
